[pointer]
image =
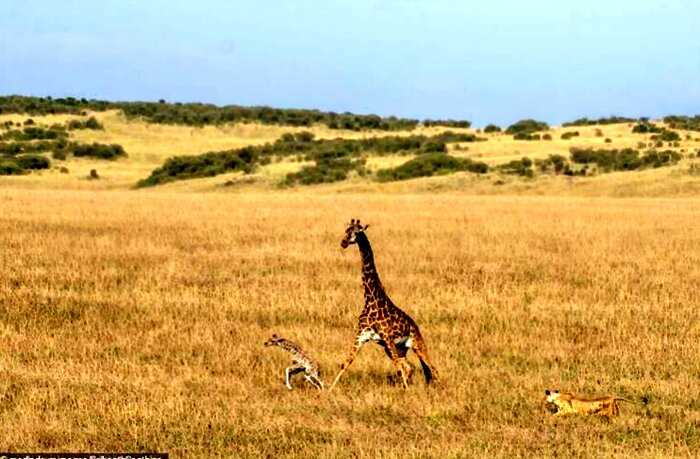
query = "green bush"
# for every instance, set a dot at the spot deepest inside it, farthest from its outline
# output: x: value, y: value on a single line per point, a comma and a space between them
x: 12, y: 148
x: 34, y: 133
x: 90, y: 123
x: 449, y: 123
x: 492, y: 128
x: 9, y: 166
x: 646, y: 127
x: 569, y: 135
x: 688, y: 123
x: 625, y: 159
x: 522, y: 167
x: 431, y: 164
x: 98, y: 150
x: 205, y: 165
x: 655, y: 159
x: 665, y: 135
x: 527, y: 126
x: 526, y: 136
x: 326, y: 170
x: 554, y: 163
x: 32, y: 162
x: 608, y: 120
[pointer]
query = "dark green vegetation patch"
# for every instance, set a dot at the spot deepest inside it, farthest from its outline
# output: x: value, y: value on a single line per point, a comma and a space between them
x: 198, y: 114
x: 206, y: 165
x: 688, y: 123
x: 526, y: 127
x: 333, y: 159
x: 427, y: 165
x: 626, y: 159
x: 98, y: 151
x: 591, y: 122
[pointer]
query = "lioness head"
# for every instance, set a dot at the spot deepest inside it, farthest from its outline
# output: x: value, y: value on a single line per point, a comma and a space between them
x: 551, y: 396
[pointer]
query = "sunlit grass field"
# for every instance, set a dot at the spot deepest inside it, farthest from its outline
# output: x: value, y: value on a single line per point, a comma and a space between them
x: 134, y: 320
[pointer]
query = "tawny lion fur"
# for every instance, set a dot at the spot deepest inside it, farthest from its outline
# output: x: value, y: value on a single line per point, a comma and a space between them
x: 561, y: 403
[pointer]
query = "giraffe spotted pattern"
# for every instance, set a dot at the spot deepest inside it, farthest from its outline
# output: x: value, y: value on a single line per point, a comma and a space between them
x: 301, y: 362
x: 381, y: 320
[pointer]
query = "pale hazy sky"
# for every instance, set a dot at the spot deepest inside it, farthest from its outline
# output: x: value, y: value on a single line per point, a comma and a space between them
x: 490, y: 61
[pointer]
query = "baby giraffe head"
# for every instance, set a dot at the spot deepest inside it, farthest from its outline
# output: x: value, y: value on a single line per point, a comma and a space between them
x: 353, y: 229
x: 274, y: 340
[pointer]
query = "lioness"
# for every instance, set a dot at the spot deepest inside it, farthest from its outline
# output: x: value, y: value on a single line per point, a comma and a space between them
x: 560, y: 403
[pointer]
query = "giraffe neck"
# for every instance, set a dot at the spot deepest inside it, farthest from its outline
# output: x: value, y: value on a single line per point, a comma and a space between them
x: 289, y: 347
x: 370, y: 278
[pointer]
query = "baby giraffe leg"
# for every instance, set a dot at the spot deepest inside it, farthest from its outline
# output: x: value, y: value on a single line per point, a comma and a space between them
x: 317, y: 383
x: 288, y: 373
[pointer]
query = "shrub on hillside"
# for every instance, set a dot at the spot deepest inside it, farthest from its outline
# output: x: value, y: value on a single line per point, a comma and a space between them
x: 205, y: 165
x: 90, y: 123
x: 492, y: 128
x: 326, y: 170
x: 688, y: 123
x: 32, y: 162
x: 9, y: 166
x: 608, y: 120
x: 553, y: 163
x: 666, y: 135
x: 522, y: 167
x: 527, y: 126
x: 431, y: 164
x: 646, y: 127
x: 34, y: 133
x: 11, y: 148
x: 99, y: 151
x: 654, y: 158
x: 569, y: 135
x: 623, y: 159
x: 526, y: 136
x: 448, y: 122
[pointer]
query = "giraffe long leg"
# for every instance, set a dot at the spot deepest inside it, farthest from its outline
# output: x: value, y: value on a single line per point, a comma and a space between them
x: 288, y: 373
x: 419, y: 347
x: 390, y: 348
x: 402, y: 351
x: 353, y: 353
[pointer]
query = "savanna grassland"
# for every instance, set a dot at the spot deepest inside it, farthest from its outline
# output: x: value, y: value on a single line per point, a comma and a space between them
x: 134, y: 319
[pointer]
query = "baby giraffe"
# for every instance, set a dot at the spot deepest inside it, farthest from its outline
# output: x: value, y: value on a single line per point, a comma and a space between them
x: 301, y: 362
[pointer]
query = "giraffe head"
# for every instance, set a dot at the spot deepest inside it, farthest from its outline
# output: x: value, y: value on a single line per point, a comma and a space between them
x: 353, y: 229
x: 274, y: 339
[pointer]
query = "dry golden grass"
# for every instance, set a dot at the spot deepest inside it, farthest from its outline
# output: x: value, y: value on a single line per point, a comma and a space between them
x: 135, y: 321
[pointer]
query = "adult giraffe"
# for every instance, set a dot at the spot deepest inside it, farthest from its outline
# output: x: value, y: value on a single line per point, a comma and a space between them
x: 381, y: 320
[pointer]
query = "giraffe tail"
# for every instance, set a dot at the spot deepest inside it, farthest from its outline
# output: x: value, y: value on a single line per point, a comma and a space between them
x: 421, y: 352
x: 427, y: 371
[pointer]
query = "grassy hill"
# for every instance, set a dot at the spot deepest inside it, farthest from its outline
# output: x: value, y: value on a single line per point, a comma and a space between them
x: 149, y: 145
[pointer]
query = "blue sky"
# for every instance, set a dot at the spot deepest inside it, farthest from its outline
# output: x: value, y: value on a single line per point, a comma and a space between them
x: 496, y: 61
